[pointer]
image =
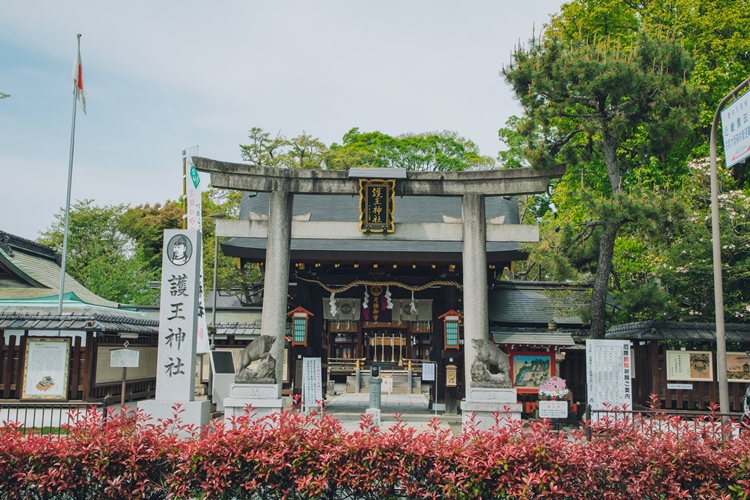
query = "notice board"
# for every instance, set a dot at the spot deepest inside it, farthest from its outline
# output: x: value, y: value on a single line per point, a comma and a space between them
x: 608, y: 383
x: 312, y: 383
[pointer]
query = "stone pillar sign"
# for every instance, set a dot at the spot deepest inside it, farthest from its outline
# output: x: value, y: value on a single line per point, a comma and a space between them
x: 178, y: 319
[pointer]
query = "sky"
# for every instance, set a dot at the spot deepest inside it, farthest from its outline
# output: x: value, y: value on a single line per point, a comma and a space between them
x: 163, y: 77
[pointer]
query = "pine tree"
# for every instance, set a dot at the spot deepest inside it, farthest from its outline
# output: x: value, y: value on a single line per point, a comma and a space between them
x: 601, y: 103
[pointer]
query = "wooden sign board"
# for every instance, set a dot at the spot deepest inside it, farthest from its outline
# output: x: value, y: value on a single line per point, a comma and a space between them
x: 553, y: 409
x: 124, y: 358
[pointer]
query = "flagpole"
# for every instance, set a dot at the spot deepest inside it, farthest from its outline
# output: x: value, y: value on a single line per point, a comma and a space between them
x: 67, y: 199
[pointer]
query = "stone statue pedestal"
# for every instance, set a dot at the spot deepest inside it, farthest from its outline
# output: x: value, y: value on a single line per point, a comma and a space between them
x: 483, y: 403
x: 264, y: 399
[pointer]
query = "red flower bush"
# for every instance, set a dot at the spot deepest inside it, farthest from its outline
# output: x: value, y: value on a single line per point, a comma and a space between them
x: 292, y: 455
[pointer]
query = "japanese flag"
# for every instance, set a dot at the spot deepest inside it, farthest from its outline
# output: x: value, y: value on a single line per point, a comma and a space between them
x: 78, y: 89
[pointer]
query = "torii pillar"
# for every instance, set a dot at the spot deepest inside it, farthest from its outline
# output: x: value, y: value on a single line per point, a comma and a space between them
x: 276, y: 276
x: 475, y: 308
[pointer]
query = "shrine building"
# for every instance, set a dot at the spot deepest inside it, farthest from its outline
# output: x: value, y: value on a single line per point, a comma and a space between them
x: 384, y: 267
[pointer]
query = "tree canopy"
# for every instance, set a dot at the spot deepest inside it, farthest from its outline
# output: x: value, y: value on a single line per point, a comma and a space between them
x: 648, y: 278
x: 614, y: 108
x: 100, y: 255
x: 433, y: 151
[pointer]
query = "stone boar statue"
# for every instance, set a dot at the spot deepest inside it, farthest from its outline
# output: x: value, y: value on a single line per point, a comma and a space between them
x: 488, y: 354
x: 257, y: 349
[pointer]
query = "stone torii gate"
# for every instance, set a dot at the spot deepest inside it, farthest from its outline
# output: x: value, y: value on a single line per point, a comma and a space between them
x: 473, y: 230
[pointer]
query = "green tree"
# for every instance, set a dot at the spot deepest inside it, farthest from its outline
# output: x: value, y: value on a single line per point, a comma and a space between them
x: 436, y: 151
x: 713, y: 32
x: 262, y: 149
x: 685, y: 268
x: 303, y: 151
x: 244, y: 283
x: 100, y: 256
x: 615, y: 110
x: 145, y: 224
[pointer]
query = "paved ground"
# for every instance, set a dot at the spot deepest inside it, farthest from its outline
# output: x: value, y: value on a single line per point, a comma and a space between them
x: 414, y: 409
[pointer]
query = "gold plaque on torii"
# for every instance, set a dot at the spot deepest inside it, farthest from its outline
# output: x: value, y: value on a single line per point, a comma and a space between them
x: 377, y: 205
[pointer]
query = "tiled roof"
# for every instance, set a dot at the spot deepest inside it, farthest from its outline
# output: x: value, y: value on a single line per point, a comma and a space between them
x: 530, y: 337
x: 78, y: 322
x: 537, y: 303
x: 37, y: 272
x: 677, y: 330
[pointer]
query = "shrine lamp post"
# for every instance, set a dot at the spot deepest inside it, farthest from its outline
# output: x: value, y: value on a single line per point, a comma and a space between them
x: 721, y: 344
x: 215, y: 217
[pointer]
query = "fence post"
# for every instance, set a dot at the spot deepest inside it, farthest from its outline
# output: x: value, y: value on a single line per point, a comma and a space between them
x: 105, y: 405
x: 588, y: 422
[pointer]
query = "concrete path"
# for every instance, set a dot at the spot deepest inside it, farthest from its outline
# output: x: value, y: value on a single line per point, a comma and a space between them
x: 413, y: 408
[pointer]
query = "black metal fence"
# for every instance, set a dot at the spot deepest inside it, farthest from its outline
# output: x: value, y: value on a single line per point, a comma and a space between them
x: 49, y: 417
x: 708, y: 424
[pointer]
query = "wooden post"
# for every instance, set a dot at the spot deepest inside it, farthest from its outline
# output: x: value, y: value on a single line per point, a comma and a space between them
x: 124, y: 378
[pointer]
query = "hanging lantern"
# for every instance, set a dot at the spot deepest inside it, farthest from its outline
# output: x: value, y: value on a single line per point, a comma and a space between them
x: 452, y: 323
x: 300, y: 325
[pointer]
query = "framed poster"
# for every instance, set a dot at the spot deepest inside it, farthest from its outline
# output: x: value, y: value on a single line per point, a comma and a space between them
x: 530, y: 369
x: 45, y: 373
x: 738, y: 367
x: 690, y: 365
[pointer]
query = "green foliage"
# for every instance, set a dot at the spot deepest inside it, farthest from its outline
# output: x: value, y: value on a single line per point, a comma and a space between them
x: 612, y: 110
x: 4, y: 95
x: 244, y: 283
x: 437, y: 152
x: 100, y: 256
x: 668, y: 275
x: 304, y: 151
x: 605, y: 94
x: 145, y: 224
x: 262, y: 150
x: 115, y: 251
x: 685, y: 268
x: 714, y: 32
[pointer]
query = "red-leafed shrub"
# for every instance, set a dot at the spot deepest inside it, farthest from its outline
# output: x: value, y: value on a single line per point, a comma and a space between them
x: 291, y: 455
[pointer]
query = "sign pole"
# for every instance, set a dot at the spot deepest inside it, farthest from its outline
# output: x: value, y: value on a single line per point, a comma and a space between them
x: 721, y: 344
x: 124, y: 378
x: 434, y: 405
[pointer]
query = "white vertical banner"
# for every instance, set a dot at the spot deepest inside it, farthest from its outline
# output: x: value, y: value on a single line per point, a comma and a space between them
x: 175, y: 379
x: 195, y: 222
x: 608, y: 381
x: 312, y: 383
